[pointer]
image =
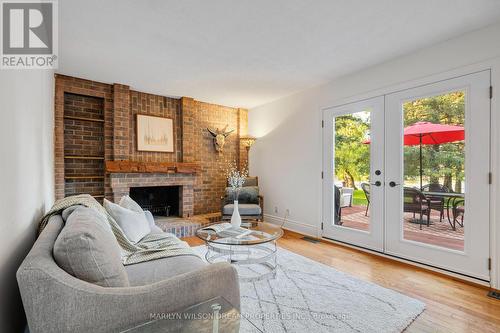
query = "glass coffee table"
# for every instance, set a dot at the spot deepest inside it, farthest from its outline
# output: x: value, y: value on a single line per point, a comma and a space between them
x: 253, y: 255
x: 216, y: 315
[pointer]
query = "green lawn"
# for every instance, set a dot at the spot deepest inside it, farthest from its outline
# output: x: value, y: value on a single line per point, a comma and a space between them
x: 359, y: 198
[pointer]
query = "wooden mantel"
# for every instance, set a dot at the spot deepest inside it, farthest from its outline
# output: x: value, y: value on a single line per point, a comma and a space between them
x: 151, y: 167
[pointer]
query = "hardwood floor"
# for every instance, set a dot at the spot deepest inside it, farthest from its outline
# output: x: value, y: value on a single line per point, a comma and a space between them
x: 451, y: 305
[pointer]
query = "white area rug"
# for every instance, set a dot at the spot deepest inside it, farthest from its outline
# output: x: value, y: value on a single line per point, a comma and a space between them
x: 308, y: 296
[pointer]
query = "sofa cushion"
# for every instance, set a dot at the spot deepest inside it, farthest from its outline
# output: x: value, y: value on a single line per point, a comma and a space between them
x: 161, y: 269
x: 244, y: 209
x: 97, y: 215
x: 87, y: 249
x: 68, y: 211
x: 248, y: 195
x: 134, y: 224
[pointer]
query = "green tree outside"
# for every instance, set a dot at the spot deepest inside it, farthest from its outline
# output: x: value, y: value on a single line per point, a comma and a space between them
x: 442, y: 163
x: 352, y: 156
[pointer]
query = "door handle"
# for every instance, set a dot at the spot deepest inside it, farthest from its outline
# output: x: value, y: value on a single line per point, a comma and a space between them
x: 377, y: 183
x: 393, y: 184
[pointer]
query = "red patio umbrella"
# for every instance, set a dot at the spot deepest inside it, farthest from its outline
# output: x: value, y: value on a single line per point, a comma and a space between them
x: 427, y: 133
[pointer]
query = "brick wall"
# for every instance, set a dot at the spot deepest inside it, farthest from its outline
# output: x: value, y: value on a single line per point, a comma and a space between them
x: 211, y: 182
x: 83, y: 145
x: 69, y: 90
x: 79, y: 133
x: 121, y: 119
x: 193, y: 143
x: 243, y: 131
x: 160, y: 106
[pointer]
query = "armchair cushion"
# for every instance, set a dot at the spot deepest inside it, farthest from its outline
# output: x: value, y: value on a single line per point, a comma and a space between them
x: 248, y: 195
x: 244, y: 209
x: 251, y: 181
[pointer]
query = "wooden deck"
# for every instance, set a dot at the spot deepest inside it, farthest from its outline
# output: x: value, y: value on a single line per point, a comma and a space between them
x: 438, y: 233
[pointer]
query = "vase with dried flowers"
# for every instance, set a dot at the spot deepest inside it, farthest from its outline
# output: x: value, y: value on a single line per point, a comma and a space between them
x: 236, y: 178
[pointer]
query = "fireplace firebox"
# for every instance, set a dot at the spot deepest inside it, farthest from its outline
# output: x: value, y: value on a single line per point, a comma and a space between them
x: 159, y: 200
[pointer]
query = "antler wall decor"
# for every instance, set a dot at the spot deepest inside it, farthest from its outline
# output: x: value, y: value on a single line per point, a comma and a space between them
x: 219, y: 137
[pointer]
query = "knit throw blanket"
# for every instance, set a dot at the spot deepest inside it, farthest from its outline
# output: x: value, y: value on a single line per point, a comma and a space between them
x: 151, y: 247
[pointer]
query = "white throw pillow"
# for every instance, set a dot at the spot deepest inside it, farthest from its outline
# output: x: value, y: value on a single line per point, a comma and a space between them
x: 154, y: 228
x: 129, y: 203
x: 134, y: 224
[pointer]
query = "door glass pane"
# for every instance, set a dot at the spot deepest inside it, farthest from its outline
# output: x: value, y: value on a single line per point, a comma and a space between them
x: 434, y: 174
x: 352, y: 169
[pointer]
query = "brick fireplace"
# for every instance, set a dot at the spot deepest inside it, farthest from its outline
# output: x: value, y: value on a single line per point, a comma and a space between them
x: 121, y: 183
x: 98, y: 115
x: 159, y: 200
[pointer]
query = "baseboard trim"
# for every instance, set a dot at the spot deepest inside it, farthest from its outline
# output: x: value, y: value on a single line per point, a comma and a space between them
x: 296, y: 226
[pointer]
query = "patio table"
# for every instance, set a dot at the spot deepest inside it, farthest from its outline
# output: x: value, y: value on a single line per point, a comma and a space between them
x: 449, y: 196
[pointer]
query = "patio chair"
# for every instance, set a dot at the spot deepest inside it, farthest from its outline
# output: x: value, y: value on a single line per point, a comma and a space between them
x: 414, y: 201
x: 337, y: 206
x: 437, y: 203
x: 458, y: 210
x: 366, y: 189
x: 346, y: 194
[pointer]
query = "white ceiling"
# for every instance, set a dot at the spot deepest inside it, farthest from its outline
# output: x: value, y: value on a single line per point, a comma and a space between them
x: 249, y: 52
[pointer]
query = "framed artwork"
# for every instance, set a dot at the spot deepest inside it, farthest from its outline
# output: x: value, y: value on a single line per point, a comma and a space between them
x: 155, y: 134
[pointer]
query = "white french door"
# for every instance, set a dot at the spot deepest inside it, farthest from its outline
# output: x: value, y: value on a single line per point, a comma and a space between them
x: 354, y: 135
x: 458, y: 241
x: 398, y: 181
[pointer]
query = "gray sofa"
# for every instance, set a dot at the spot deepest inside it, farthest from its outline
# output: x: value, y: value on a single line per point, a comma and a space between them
x: 55, y: 301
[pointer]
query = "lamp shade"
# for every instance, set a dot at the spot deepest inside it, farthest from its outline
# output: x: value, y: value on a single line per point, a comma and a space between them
x: 247, y: 141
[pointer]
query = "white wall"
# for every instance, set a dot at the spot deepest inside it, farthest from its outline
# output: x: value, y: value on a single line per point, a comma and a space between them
x: 26, y: 173
x: 287, y: 156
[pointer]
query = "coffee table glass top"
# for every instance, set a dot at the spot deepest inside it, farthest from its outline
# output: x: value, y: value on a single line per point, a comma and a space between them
x: 262, y: 232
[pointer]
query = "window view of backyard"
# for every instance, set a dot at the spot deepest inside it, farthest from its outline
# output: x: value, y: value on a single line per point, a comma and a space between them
x: 434, y: 184
x: 352, y: 169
